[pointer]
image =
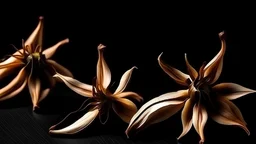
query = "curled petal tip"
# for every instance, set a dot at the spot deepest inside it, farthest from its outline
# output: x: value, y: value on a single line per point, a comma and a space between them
x: 201, y: 142
x: 66, y: 40
x: 50, y: 132
x: 51, y: 128
x: 134, y: 67
x: 35, y: 107
x: 185, y: 55
x: 222, y: 34
x: 101, y: 46
x: 159, y: 57
x: 41, y: 18
x: 248, y: 133
x: 126, y: 133
x: 246, y: 130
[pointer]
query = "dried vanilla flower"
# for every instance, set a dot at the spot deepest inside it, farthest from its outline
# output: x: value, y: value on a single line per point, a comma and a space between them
x: 100, y: 98
x: 201, y: 100
x: 35, y: 67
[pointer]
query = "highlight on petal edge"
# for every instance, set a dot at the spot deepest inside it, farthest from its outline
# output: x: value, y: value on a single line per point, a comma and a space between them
x: 33, y: 66
x: 99, y: 98
x: 201, y: 100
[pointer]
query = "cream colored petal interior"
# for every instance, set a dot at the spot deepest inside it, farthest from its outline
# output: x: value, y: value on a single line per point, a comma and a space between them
x: 78, y: 125
x: 178, y: 76
x: 124, y: 108
x: 15, y: 86
x: 231, y: 91
x: 124, y: 80
x: 49, y: 52
x: 75, y: 85
x: 169, y: 103
x: 103, y: 71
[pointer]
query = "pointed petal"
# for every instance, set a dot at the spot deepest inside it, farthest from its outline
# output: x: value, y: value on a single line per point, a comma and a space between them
x: 46, y: 91
x: 13, y: 85
x: 75, y: 85
x: 231, y: 91
x: 8, y: 65
x: 43, y: 94
x: 156, y: 110
x: 125, y: 109
x: 6, y: 69
x: 132, y: 95
x: 79, y: 125
x: 36, y: 38
x: 11, y: 65
x: 12, y: 59
x: 103, y: 72
x: 186, y: 117
x: 199, y: 119
x: 174, y: 73
x: 191, y: 70
x: 49, y: 52
x: 124, y: 80
x: 59, y: 68
x: 229, y: 114
x: 15, y: 92
x: 34, y: 86
x: 214, y: 68
x: 235, y: 110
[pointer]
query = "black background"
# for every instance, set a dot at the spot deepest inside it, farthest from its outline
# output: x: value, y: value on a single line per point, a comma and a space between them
x: 135, y: 34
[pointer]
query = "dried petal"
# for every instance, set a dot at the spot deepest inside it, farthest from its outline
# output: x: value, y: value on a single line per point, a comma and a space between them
x: 231, y: 91
x: 12, y: 59
x: 34, y: 86
x: 199, y: 119
x: 36, y: 38
x: 49, y: 52
x: 187, y: 112
x: 18, y: 81
x: 6, y: 69
x: 229, y: 114
x: 59, y: 68
x: 79, y: 125
x: 186, y: 117
x: 124, y: 80
x: 174, y: 73
x: 192, y: 72
x: 235, y: 110
x: 15, y: 92
x: 132, y: 95
x: 214, y: 68
x: 103, y: 72
x: 158, y: 109
x: 44, y: 93
x: 124, y: 108
x: 75, y: 85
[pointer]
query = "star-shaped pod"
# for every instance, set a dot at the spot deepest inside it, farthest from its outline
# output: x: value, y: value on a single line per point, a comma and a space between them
x: 34, y: 66
x: 201, y: 100
x: 100, y: 98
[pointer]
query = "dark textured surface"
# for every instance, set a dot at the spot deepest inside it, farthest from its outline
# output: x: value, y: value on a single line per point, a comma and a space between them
x: 18, y: 126
x: 22, y: 126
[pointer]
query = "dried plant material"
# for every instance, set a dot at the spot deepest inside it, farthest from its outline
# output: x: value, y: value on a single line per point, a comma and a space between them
x: 100, y: 98
x: 35, y: 67
x: 201, y: 100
